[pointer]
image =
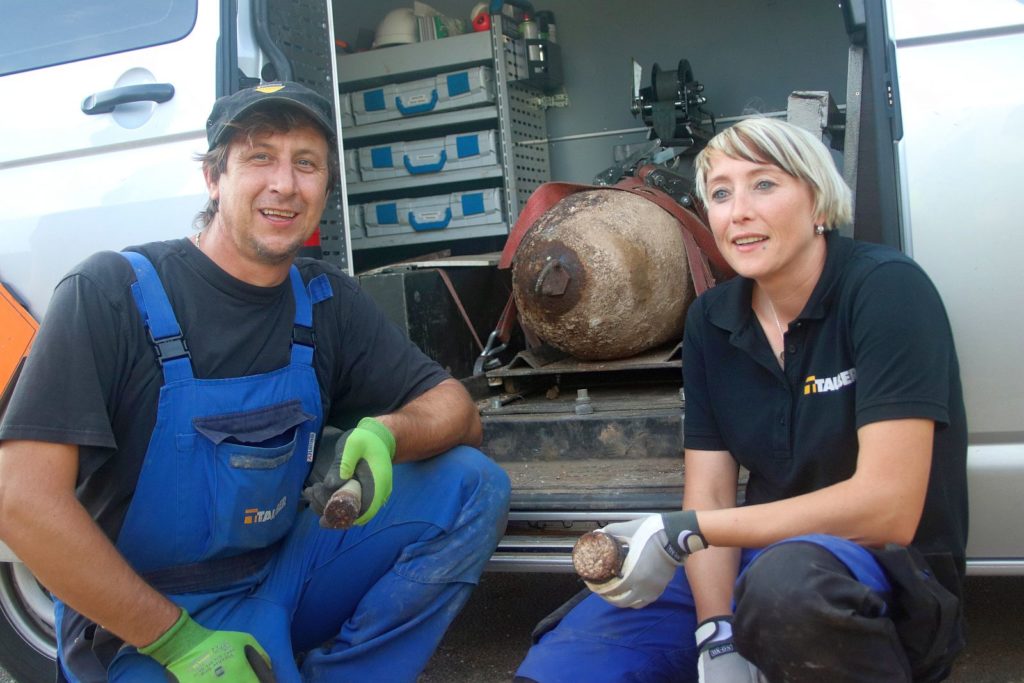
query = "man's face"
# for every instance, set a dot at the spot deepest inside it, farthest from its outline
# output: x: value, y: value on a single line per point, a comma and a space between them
x: 271, y: 194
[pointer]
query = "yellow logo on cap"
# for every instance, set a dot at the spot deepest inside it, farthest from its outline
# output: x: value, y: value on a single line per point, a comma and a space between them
x: 267, y: 89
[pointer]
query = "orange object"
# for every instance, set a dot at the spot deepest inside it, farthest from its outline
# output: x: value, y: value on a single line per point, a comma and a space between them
x: 17, y: 329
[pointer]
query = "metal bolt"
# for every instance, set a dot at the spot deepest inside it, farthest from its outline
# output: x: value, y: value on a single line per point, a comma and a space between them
x: 583, y: 406
x: 495, y: 403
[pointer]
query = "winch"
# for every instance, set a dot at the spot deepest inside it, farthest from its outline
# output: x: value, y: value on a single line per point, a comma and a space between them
x: 672, y: 106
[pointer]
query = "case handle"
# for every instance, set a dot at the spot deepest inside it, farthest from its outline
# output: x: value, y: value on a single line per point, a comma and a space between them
x: 431, y: 225
x: 425, y: 168
x: 416, y: 108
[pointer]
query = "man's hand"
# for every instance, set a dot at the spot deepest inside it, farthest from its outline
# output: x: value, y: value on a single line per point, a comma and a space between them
x: 658, y: 546
x: 719, y: 661
x: 193, y: 654
x: 365, y: 452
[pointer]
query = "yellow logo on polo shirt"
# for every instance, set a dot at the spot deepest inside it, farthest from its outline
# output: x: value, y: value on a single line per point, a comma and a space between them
x: 814, y: 385
x: 257, y: 516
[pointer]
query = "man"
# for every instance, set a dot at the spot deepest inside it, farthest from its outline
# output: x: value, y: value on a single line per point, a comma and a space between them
x: 155, y: 450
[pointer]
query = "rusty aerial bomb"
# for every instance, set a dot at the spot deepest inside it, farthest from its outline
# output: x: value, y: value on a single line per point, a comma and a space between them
x: 603, y: 275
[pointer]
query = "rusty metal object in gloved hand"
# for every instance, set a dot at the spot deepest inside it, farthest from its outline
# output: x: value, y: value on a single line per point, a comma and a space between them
x: 658, y: 546
x: 597, y: 557
x: 343, y: 507
x: 340, y: 502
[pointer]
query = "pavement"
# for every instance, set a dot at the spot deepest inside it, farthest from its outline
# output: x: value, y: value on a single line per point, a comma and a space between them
x: 492, y: 634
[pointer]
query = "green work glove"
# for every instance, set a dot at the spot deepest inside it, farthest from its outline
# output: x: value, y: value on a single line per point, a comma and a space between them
x: 364, y: 453
x: 193, y: 654
x: 373, y: 443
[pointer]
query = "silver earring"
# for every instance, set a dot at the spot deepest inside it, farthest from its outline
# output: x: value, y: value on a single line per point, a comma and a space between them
x: 819, y: 229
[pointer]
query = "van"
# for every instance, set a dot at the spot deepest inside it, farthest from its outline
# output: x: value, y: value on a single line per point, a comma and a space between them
x: 104, y: 107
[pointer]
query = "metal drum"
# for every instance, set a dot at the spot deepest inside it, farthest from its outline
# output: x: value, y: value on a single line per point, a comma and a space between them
x: 603, y: 275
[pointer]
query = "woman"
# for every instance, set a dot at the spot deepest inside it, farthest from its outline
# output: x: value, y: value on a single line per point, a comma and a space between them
x: 827, y: 370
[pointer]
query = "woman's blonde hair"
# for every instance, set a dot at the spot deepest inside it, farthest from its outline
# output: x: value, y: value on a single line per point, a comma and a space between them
x: 794, y: 150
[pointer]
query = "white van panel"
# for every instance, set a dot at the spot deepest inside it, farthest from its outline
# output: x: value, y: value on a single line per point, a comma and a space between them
x: 149, y: 192
x: 50, y: 119
x: 131, y: 171
x: 961, y: 164
x: 919, y: 18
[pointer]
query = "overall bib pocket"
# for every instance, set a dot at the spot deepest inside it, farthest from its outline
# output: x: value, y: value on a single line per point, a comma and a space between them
x: 254, y: 478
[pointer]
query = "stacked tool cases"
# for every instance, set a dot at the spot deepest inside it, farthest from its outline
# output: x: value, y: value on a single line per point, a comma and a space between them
x: 431, y: 151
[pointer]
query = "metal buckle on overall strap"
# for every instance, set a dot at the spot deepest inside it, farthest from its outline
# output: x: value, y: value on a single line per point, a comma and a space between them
x: 169, y: 348
x: 303, y: 335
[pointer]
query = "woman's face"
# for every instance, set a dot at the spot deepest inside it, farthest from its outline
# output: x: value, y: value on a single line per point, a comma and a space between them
x: 763, y: 220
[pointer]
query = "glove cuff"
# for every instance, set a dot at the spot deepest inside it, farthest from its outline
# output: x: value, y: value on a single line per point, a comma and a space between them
x: 713, y: 630
x: 178, y: 639
x: 378, y: 429
x: 683, y: 532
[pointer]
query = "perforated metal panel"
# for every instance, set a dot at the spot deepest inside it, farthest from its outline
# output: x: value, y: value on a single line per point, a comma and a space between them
x: 529, y: 166
x: 520, y: 118
x: 300, y: 30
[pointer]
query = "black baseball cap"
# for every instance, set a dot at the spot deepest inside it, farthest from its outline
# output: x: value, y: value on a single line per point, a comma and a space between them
x: 230, y: 108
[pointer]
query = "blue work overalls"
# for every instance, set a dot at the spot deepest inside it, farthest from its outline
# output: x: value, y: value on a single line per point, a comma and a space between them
x: 215, y: 522
x: 601, y: 643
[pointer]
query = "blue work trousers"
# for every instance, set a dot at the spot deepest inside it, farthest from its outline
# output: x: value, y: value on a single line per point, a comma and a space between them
x: 371, y: 603
x: 819, y: 596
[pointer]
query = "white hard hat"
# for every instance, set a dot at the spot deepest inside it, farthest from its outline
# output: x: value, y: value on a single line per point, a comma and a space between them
x: 398, y: 27
x: 477, y: 9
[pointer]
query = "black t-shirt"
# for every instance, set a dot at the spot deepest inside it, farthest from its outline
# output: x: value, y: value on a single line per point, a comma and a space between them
x: 92, y: 377
x: 873, y: 343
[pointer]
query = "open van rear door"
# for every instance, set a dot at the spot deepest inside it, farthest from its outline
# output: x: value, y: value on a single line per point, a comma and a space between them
x: 961, y: 102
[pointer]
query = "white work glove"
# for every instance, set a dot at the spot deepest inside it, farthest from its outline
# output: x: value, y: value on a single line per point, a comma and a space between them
x: 658, y: 545
x: 719, y: 661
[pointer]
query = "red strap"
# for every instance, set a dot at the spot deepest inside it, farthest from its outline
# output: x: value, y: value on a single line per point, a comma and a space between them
x: 458, y: 304
x: 542, y: 199
x: 694, y: 225
x: 507, y: 320
x: 697, y: 238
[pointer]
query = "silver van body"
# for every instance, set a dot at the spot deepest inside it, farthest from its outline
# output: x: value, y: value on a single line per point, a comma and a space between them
x: 952, y: 136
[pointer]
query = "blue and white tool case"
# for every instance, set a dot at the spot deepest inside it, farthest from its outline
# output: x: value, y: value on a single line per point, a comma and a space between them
x: 442, y: 92
x: 432, y: 156
x: 347, y: 118
x: 439, y: 212
x: 356, y: 226
x: 351, y: 165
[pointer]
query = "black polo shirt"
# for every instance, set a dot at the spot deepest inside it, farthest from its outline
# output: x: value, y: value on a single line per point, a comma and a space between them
x: 873, y: 343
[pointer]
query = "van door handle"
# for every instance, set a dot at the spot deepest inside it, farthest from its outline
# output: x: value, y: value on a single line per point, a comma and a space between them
x: 104, y: 102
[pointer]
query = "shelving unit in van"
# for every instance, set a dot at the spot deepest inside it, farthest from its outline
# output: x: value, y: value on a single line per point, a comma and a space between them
x: 430, y: 134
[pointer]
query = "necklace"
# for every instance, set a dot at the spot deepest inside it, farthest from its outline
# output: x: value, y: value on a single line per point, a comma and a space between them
x: 782, y: 334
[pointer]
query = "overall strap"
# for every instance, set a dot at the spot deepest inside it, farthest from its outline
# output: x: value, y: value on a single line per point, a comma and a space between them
x: 161, y: 325
x: 303, y: 339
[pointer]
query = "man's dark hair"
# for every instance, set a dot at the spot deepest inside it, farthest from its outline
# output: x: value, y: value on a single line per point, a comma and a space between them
x: 252, y: 125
